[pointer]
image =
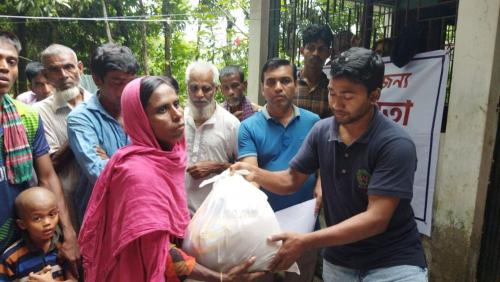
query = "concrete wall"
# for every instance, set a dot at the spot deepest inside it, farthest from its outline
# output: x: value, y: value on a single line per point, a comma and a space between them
x: 467, y: 146
x: 258, y: 45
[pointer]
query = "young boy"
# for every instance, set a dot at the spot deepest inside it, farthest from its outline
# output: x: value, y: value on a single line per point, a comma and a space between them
x: 35, y: 256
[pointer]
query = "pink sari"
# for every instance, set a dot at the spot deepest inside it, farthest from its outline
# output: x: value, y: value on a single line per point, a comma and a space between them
x: 137, y: 204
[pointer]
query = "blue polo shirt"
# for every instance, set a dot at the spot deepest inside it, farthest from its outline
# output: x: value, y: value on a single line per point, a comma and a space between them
x: 89, y: 124
x: 381, y: 162
x: 274, y: 145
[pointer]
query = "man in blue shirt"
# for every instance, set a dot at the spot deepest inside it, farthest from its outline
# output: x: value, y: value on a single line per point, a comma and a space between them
x: 95, y: 127
x: 271, y: 138
x: 25, y: 128
x: 367, y: 165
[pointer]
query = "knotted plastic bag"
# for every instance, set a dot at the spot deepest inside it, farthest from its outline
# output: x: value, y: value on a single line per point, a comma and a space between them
x: 232, y: 225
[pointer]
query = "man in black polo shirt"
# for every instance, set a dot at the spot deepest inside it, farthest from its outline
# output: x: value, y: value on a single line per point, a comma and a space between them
x: 367, y: 165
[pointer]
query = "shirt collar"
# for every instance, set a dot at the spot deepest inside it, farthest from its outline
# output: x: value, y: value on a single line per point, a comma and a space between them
x: 296, y: 112
x: 93, y: 104
x: 334, y: 130
x: 377, y: 117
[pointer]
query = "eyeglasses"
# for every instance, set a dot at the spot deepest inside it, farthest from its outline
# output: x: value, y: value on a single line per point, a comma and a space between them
x: 194, y: 88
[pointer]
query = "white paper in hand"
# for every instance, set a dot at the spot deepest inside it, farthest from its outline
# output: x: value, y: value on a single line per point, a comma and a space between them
x: 232, y: 225
x: 299, y: 218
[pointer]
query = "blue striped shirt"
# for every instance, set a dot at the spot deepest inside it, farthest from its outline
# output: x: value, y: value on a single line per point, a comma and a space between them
x: 22, y: 258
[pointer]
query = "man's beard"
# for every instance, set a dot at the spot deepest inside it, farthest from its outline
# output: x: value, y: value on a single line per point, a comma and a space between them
x: 68, y: 94
x: 235, y: 101
x: 201, y: 113
x: 353, y: 116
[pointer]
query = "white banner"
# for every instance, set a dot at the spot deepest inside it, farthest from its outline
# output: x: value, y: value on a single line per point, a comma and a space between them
x: 413, y: 96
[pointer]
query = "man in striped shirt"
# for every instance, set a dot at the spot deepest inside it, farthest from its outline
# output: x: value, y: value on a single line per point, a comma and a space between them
x: 312, y: 86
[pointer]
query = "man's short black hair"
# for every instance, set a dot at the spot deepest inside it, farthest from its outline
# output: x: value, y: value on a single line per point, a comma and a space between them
x: 110, y: 57
x: 33, y: 69
x: 11, y: 38
x: 230, y: 70
x: 360, y: 65
x: 316, y: 32
x: 275, y: 63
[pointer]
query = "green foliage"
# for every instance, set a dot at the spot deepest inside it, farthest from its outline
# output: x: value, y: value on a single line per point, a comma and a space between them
x: 85, y: 36
x: 182, y: 54
x: 42, y: 7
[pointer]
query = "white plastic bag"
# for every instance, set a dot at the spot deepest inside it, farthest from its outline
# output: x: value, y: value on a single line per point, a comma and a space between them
x: 232, y: 225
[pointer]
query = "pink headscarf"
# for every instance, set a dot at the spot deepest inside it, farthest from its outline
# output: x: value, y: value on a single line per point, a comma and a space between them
x: 141, y: 190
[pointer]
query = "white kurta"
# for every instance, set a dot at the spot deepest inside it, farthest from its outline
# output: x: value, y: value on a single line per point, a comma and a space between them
x: 214, y: 140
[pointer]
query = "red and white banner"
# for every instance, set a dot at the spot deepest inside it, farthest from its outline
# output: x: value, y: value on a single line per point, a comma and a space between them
x: 413, y: 96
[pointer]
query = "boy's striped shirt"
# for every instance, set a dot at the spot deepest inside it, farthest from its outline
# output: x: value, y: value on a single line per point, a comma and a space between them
x: 20, y: 259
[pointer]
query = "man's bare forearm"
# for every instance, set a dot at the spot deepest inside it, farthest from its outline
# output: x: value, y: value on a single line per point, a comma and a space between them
x: 279, y: 182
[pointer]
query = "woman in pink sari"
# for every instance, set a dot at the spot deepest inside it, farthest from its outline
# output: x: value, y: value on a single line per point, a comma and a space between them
x: 138, y: 205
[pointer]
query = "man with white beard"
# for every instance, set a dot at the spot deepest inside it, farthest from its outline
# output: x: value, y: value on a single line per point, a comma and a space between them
x: 63, y: 70
x: 211, y: 132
